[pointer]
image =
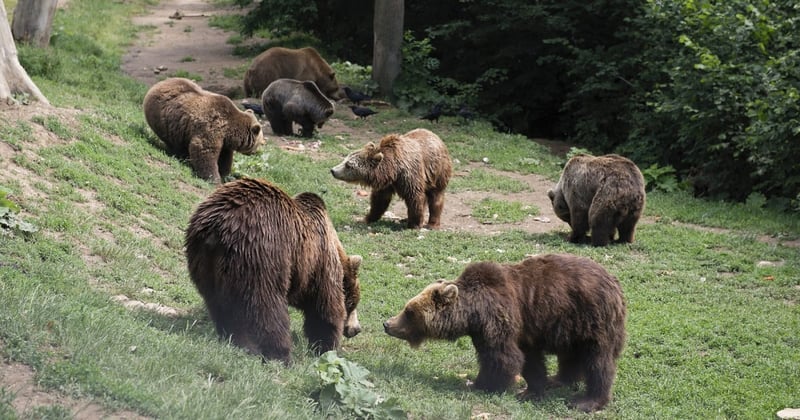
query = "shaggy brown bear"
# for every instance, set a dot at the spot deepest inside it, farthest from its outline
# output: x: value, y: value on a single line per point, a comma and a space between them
x: 517, y: 313
x: 201, y: 126
x: 285, y: 63
x: 285, y: 101
x: 252, y: 250
x: 602, y: 194
x: 415, y: 165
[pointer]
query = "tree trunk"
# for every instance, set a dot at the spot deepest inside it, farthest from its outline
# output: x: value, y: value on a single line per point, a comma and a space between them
x: 14, y: 80
x: 33, y: 21
x: 387, y: 47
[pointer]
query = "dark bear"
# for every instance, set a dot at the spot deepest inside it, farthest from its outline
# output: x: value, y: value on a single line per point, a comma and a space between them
x: 516, y: 313
x: 415, y: 165
x: 286, y: 101
x: 252, y: 250
x: 201, y: 126
x: 285, y: 63
x: 602, y: 194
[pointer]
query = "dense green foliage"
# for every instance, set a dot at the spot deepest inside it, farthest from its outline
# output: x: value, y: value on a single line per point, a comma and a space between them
x: 707, y: 87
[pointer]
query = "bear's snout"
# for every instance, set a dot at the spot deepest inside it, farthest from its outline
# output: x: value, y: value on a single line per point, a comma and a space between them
x: 386, y: 327
x: 351, y: 331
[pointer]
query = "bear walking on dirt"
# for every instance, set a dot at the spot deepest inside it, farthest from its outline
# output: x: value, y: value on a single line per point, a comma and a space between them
x: 201, y: 126
x: 603, y: 194
x: 517, y: 313
x: 252, y: 250
x: 286, y: 63
x: 415, y: 165
x: 286, y: 101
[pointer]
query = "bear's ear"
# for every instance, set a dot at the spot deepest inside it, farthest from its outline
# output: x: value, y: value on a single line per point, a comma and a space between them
x: 369, y: 146
x: 378, y: 157
x: 355, y: 261
x: 551, y: 194
x: 446, y: 295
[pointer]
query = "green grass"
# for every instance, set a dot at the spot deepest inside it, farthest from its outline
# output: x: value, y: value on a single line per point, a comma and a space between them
x: 712, y: 333
x: 490, y: 210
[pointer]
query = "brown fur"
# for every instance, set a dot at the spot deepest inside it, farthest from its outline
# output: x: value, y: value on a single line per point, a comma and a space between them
x: 602, y: 194
x: 284, y: 63
x: 201, y: 126
x: 415, y: 165
x: 517, y: 313
x: 252, y: 250
x: 287, y: 100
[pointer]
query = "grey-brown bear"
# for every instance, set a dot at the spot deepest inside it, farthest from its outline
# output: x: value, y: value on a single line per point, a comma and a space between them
x: 201, y: 126
x: 516, y: 313
x: 286, y: 101
x: 416, y: 166
x: 604, y: 194
x: 286, y: 63
x: 252, y: 251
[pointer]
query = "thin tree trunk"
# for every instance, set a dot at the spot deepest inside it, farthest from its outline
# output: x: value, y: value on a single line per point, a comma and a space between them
x: 387, y: 47
x: 14, y: 80
x: 33, y: 21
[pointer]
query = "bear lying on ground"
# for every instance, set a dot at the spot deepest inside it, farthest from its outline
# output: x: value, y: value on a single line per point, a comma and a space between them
x: 285, y: 101
x: 516, y: 313
x: 252, y: 250
x: 602, y: 194
x: 415, y: 165
x: 201, y: 126
x: 285, y: 63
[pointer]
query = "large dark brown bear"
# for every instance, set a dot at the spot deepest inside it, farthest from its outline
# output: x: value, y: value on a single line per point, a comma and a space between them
x: 286, y: 101
x: 516, y: 313
x: 602, y: 194
x: 285, y: 63
x: 415, y: 165
x: 252, y: 250
x: 201, y: 126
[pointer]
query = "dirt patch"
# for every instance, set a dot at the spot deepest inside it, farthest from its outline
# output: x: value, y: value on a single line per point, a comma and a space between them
x: 20, y: 381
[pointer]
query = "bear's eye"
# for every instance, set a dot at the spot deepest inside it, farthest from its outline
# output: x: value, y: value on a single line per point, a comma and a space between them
x: 410, y: 314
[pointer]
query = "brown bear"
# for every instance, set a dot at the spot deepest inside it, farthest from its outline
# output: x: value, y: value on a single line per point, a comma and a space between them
x: 415, y: 165
x: 517, y: 313
x: 602, y: 194
x: 285, y: 63
x: 252, y: 250
x: 201, y: 126
x: 286, y: 100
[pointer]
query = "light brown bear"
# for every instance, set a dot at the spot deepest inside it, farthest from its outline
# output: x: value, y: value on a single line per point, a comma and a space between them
x: 415, y: 165
x: 602, y: 194
x: 285, y: 63
x: 286, y: 101
x: 252, y: 251
x: 201, y: 126
x: 516, y: 313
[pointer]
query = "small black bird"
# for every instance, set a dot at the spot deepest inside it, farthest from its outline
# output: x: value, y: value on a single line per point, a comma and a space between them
x: 355, y: 96
x: 256, y: 108
x: 433, y: 114
x: 465, y: 113
x: 362, y: 112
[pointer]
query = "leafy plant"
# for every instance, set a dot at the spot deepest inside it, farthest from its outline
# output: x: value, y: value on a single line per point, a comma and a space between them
x: 9, y: 218
x: 344, y: 384
x: 661, y: 178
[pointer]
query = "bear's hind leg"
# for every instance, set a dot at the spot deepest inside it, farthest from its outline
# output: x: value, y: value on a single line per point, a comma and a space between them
x: 579, y: 225
x: 435, y: 206
x: 534, y: 371
x: 378, y: 203
x: 570, y: 369
x: 599, y: 371
x: 627, y: 228
x: 416, y: 211
x: 272, y: 333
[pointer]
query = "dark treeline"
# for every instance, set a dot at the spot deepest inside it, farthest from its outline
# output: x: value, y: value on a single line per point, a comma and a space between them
x: 707, y: 87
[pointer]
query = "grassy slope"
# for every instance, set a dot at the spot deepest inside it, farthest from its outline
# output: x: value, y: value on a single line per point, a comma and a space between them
x: 711, y: 333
